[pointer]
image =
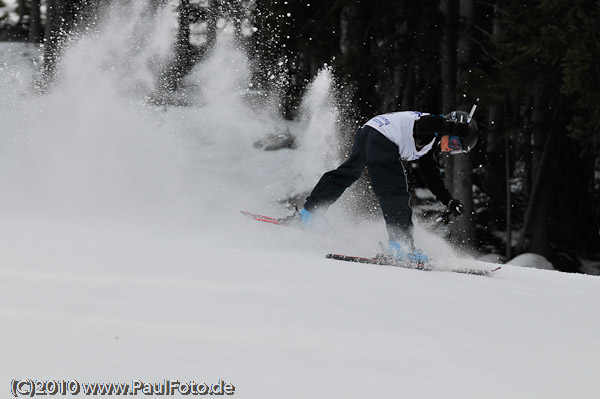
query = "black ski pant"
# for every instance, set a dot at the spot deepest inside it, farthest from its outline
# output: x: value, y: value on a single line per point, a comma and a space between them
x: 381, y: 156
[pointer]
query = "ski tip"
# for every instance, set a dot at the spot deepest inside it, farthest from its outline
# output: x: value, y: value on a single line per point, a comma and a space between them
x: 261, y: 218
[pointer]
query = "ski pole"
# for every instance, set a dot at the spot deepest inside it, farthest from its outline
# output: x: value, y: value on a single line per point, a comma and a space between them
x: 473, y: 108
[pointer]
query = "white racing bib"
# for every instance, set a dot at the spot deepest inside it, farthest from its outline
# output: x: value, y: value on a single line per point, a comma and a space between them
x: 398, y: 128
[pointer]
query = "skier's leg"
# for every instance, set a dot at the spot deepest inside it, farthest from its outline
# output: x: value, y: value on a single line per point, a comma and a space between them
x: 390, y: 186
x: 333, y: 184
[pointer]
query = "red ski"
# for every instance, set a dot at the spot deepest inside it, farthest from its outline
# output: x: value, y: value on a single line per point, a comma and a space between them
x: 268, y: 219
x: 322, y: 226
x: 260, y: 218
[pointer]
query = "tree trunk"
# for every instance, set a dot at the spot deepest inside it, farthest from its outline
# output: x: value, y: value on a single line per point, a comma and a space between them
x: 187, y: 54
x: 62, y: 16
x: 35, y: 27
x: 52, y: 38
x: 447, y: 60
x: 461, y: 165
x: 497, y: 172
x: 348, y: 25
x: 536, y: 215
x: 448, y: 73
x: 22, y: 4
x: 508, y: 253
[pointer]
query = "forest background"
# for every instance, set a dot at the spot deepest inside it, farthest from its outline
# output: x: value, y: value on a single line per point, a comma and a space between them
x: 533, y: 183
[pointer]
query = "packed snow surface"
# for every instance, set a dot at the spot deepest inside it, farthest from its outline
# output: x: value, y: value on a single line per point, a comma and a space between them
x: 259, y: 307
x: 124, y: 256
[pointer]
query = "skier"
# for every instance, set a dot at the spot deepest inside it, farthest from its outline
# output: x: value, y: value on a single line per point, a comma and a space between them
x: 381, y: 144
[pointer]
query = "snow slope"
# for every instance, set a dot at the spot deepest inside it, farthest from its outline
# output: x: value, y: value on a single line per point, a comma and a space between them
x: 124, y: 256
x: 100, y: 303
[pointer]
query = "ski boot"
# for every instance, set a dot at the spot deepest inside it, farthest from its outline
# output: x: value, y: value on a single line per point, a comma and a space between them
x: 302, y: 218
x: 409, y: 256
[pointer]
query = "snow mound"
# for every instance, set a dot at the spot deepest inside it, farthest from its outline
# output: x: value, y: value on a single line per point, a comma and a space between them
x: 531, y: 260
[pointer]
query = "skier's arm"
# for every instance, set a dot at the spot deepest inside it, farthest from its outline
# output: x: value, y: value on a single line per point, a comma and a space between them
x: 433, y: 178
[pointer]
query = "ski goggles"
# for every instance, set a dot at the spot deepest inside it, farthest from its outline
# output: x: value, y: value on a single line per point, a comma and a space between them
x: 451, y: 144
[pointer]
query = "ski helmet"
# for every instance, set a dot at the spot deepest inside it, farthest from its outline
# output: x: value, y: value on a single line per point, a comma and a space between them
x: 468, y: 139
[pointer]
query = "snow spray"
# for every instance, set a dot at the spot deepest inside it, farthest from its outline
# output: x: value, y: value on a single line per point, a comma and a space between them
x: 98, y: 145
